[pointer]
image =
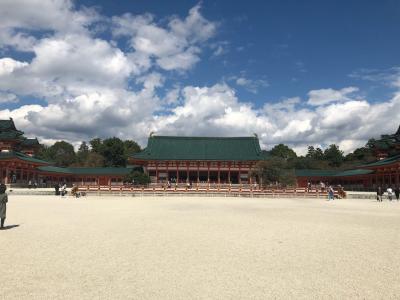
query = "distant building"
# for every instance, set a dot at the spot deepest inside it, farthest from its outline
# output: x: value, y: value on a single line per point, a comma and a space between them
x: 12, y: 139
x: 19, y: 166
x: 200, y: 159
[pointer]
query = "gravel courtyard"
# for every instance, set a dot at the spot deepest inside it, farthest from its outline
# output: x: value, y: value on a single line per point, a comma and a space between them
x: 199, y: 248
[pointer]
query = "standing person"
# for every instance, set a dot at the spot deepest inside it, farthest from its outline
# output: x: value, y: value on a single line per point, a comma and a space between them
x: 57, y: 189
x: 379, y: 193
x: 64, y: 190
x: 3, y: 204
x: 331, y: 194
x: 390, y: 193
x: 322, y: 185
x: 397, y: 192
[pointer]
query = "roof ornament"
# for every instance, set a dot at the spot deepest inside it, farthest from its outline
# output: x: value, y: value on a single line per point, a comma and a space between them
x: 255, y: 134
x: 151, y: 134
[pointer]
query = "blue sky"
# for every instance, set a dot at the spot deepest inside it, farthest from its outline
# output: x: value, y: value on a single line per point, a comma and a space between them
x: 295, y: 72
x: 295, y: 45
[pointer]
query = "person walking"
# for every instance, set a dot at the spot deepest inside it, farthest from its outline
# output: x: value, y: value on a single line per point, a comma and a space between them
x: 397, y: 192
x: 390, y: 193
x: 379, y: 193
x: 3, y: 204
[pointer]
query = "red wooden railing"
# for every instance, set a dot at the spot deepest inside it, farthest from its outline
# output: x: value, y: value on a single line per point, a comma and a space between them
x: 210, y: 189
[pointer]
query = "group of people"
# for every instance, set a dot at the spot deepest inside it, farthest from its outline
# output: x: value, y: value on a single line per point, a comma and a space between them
x: 60, y: 189
x: 390, y: 193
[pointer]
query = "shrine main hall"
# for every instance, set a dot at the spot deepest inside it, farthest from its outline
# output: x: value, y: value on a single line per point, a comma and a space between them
x: 200, y: 159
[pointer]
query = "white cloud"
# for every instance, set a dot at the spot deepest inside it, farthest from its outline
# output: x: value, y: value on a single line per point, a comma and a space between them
x: 249, y: 84
x: 216, y: 110
x: 389, y: 76
x: 325, y: 96
x: 58, y: 15
x: 9, y: 65
x: 32, y: 16
x: 173, y: 47
x: 8, y: 98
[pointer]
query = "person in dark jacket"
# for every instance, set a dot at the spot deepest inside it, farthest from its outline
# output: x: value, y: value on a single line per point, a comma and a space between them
x: 379, y: 194
x: 397, y: 192
x: 57, y: 189
x: 3, y: 204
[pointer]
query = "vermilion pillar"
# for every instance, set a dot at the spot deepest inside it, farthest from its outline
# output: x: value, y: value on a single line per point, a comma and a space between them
x: 198, y: 172
x: 229, y: 172
x: 219, y: 172
x: 7, y: 176
x: 156, y: 172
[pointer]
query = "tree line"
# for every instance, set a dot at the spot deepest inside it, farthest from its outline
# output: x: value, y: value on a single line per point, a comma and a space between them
x: 282, y: 161
x: 110, y: 152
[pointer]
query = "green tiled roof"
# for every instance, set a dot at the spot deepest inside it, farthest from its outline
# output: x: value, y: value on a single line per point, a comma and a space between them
x: 21, y: 156
x: 331, y: 173
x: 10, y: 135
x: 30, y: 142
x: 201, y: 148
x: 7, y: 125
x: 86, y: 171
x: 354, y: 172
x: 8, y: 130
x: 386, y: 161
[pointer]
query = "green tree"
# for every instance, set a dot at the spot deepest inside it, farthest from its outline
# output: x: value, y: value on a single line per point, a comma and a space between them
x: 137, y: 177
x: 283, y: 151
x: 94, y: 160
x: 82, y: 154
x: 62, y: 154
x: 96, y: 145
x: 114, y: 152
x: 43, y: 152
x: 275, y: 171
x: 315, y: 153
x: 130, y: 147
x: 334, y: 155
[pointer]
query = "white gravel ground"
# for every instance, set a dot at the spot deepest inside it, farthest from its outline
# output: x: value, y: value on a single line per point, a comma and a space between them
x: 199, y: 248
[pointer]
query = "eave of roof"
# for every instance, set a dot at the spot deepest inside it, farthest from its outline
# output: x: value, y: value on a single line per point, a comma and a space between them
x: 86, y: 171
x: 30, y: 142
x: 332, y: 173
x: 21, y: 156
x: 387, y: 161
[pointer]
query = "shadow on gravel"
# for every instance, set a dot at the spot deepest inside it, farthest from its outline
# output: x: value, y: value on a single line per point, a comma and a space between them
x: 9, y: 227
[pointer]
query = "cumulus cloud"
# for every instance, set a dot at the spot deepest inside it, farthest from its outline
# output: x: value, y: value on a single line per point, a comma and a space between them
x: 9, y: 65
x: 173, y: 47
x: 36, y: 15
x: 216, y: 110
x: 325, y: 96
